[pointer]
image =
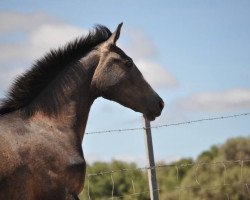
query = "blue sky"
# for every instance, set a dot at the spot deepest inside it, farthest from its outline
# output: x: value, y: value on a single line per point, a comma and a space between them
x: 194, y: 53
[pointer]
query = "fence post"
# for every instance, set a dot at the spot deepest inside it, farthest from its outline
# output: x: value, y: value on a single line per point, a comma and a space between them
x: 150, y: 154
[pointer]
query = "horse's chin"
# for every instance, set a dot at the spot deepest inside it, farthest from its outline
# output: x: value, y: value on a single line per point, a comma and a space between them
x: 149, y: 117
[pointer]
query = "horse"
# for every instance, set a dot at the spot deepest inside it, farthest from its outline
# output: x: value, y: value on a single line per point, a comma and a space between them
x: 44, y: 114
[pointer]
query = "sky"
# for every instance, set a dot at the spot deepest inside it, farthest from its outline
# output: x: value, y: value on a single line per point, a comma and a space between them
x: 194, y: 53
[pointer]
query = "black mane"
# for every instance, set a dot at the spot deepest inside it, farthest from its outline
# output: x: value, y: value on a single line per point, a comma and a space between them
x: 28, y: 87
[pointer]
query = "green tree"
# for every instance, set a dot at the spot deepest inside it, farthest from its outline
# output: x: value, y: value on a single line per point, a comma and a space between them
x: 122, y: 184
x: 227, y: 180
x: 207, y: 177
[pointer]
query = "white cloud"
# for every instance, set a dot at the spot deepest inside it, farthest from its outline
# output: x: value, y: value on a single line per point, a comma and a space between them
x: 13, y: 21
x: 39, y: 41
x: 156, y: 74
x: 230, y: 100
x: 42, y: 33
x: 7, y: 74
x: 139, y: 45
x: 50, y: 36
x: 142, y: 49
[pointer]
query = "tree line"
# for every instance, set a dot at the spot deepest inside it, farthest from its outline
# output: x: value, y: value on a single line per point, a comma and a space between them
x: 217, y: 180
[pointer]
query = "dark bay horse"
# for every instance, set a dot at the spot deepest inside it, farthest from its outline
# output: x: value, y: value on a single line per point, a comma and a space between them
x: 43, y: 118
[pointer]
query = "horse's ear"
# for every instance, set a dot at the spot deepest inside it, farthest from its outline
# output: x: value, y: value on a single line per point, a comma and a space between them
x: 115, y: 35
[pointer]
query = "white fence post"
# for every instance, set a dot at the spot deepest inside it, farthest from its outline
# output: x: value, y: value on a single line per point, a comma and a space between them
x: 150, y: 155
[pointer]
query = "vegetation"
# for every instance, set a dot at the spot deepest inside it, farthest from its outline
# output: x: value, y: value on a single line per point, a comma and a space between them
x: 210, y: 179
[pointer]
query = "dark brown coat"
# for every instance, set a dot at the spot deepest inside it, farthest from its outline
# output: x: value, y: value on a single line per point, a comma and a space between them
x: 43, y: 118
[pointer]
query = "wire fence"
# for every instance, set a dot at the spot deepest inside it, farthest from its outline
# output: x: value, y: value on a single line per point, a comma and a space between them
x: 197, y: 164
x: 240, y: 182
x: 168, y: 125
x: 220, y: 167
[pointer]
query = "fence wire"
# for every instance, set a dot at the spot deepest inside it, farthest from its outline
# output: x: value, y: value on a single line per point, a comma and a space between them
x: 101, y: 173
x: 195, y: 166
x: 167, y: 125
x: 197, y: 185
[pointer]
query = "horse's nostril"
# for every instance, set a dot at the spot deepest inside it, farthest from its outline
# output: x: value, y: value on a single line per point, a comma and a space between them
x: 161, y: 104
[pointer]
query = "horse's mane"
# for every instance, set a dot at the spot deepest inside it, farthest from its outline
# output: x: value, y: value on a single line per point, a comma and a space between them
x: 27, y: 88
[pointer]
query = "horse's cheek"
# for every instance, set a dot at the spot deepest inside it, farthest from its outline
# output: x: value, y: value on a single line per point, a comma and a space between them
x: 112, y: 81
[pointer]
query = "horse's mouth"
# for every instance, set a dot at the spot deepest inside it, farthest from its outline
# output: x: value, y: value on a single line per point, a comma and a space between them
x: 151, y: 117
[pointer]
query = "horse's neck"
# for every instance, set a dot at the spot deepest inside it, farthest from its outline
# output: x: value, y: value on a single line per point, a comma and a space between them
x: 83, y: 96
x: 74, y: 114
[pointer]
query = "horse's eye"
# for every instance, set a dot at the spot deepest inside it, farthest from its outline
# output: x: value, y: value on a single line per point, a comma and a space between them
x: 129, y: 63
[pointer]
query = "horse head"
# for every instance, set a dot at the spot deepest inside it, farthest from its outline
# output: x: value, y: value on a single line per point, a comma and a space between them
x: 118, y: 79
